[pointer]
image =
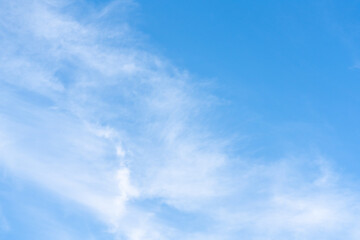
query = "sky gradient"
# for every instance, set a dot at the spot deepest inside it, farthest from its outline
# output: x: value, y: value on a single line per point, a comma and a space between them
x: 191, y: 120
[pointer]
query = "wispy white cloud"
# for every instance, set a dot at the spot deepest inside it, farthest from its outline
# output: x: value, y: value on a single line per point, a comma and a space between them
x: 109, y: 127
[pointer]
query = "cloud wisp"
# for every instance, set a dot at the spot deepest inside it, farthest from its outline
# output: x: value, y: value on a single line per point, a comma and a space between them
x: 105, y: 125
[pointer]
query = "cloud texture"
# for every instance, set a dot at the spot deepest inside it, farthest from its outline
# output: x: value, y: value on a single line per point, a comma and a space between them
x: 103, y: 125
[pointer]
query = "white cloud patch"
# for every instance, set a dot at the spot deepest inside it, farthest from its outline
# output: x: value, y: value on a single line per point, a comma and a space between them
x: 102, y: 124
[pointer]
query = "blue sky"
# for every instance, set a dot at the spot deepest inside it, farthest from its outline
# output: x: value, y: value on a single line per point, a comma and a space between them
x: 157, y: 120
x: 276, y: 62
